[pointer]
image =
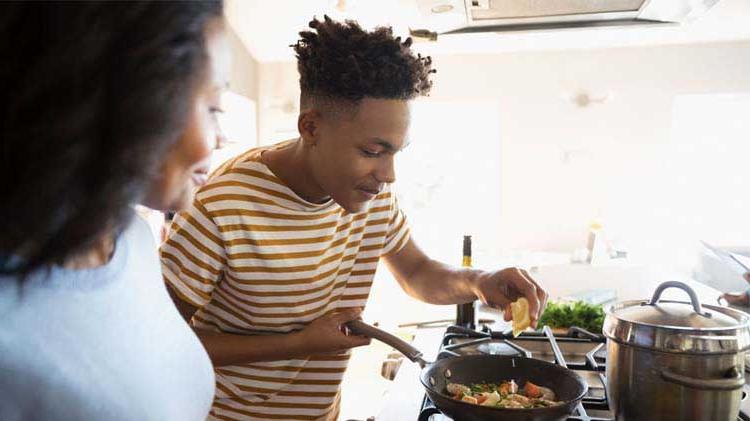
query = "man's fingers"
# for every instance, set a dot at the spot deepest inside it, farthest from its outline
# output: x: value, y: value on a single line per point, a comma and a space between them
x: 507, y: 313
x: 498, y: 301
x: 343, y: 316
x: 540, y: 293
x: 355, y: 341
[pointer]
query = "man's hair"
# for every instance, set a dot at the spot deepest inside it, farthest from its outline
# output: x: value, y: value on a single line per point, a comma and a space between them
x: 341, y: 61
x: 95, y: 94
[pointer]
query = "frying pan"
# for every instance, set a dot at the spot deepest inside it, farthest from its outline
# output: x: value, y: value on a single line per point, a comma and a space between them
x: 435, y: 376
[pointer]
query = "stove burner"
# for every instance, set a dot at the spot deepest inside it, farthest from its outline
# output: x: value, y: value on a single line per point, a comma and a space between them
x: 585, y: 354
x: 496, y: 348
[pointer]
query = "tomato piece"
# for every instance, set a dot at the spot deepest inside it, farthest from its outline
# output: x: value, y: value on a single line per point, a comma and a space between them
x: 532, y: 390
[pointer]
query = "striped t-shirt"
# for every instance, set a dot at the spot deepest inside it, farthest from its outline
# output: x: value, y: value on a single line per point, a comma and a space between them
x: 255, y: 258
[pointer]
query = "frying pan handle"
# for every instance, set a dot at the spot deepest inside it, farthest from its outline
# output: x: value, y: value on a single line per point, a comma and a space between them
x: 358, y: 327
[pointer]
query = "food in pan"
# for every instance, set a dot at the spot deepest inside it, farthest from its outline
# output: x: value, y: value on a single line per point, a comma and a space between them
x: 504, y: 395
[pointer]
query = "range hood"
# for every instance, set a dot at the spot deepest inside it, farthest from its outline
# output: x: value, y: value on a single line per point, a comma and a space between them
x: 465, y: 16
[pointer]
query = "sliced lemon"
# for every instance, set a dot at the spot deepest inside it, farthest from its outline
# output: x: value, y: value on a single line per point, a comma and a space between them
x: 520, y: 312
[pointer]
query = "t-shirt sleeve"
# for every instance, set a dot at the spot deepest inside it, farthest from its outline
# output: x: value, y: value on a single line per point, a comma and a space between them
x: 193, y: 256
x: 397, y: 234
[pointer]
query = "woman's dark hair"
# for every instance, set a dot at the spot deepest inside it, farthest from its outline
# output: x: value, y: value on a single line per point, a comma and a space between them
x: 343, y: 61
x: 94, y: 93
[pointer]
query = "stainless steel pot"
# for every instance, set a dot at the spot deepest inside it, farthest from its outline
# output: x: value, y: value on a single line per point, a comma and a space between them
x: 672, y: 360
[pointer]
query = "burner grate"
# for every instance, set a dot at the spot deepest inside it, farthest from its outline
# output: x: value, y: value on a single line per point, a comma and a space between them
x: 584, y: 352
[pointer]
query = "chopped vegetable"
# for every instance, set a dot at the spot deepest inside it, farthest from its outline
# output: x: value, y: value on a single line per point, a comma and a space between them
x: 490, y: 399
x: 532, y: 390
x: 503, y: 395
x: 469, y: 399
x: 581, y: 314
x: 458, y: 390
x: 507, y: 388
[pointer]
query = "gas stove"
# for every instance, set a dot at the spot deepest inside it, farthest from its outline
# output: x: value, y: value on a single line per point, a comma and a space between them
x: 583, y: 352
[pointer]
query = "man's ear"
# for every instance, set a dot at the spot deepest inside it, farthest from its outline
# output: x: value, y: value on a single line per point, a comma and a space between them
x: 308, y: 123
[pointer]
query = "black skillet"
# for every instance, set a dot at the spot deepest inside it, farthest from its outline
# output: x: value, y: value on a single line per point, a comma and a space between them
x: 567, y: 385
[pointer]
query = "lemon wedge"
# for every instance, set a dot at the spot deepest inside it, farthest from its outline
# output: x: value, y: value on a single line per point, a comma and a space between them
x: 520, y: 312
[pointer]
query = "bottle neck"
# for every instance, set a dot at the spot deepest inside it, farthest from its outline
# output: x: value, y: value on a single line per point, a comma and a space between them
x: 466, y: 313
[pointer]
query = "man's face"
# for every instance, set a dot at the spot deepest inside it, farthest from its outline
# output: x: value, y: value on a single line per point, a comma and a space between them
x: 353, y: 157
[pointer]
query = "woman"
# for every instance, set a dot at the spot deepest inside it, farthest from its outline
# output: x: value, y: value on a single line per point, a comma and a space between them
x: 105, y: 105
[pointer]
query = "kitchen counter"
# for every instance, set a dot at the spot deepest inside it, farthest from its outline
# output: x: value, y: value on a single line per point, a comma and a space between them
x: 404, y: 398
x: 631, y: 282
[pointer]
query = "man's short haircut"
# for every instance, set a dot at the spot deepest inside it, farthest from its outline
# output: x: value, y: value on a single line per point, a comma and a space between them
x: 341, y: 61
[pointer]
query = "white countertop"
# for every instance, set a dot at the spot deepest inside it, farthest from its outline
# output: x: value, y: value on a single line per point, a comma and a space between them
x: 404, y: 398
x: 631, y: 282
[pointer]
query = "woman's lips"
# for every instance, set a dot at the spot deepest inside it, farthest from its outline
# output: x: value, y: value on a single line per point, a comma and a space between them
x: 200, y: 178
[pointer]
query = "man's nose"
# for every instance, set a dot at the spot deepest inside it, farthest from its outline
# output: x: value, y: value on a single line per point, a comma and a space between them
x: 387, y: 172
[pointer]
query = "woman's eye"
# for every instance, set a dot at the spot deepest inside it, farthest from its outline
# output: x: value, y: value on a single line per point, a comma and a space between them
x: 215, y: 110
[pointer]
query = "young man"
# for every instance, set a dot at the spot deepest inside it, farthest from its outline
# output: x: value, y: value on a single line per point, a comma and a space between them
x: 280, y: 248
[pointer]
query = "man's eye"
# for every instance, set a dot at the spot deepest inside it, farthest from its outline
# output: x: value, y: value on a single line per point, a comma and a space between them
x: 370, y: 154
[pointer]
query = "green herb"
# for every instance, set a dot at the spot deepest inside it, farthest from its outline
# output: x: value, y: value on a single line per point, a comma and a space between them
x: 477, y: 388
x: 482, y: 387
x: 581, y: 314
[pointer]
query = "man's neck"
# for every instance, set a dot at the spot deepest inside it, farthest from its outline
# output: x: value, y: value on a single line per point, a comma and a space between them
x: 290, y: 164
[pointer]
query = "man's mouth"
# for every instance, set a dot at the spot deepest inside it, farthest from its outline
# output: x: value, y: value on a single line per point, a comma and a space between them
x: 369, y: 191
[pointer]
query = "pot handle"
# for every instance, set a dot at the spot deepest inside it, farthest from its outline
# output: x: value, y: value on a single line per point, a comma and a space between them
x: 732, y: 381
x: 358, y: 327
x: 683, y: 286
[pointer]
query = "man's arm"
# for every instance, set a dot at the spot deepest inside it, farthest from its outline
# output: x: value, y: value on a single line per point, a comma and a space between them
x: 437, y: 283
x: 324, y: 335
x: 193, y: 258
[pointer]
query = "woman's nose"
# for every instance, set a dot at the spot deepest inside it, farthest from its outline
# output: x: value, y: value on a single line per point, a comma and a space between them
x: 221, y: 140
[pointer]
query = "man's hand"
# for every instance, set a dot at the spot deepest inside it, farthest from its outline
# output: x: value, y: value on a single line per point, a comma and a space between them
x: 328, y: 335
x: 500, y: 288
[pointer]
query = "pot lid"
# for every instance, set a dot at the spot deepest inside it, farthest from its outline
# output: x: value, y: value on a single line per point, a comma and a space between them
x: 675, y: 326
x: 676, y: 314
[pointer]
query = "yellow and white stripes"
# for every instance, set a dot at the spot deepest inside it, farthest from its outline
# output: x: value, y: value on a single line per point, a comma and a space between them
x: 256, y: 258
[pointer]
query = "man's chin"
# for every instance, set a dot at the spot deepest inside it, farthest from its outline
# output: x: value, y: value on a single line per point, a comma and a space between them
x: 354, y: 207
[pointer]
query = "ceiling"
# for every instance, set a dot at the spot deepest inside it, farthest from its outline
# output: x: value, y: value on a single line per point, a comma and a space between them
x: 267, y: 28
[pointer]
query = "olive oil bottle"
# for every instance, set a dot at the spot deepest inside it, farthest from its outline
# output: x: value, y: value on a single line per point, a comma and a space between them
x: 466, y: 313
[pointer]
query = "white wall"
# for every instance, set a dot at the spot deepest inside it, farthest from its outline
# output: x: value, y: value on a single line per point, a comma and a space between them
x: 625, y: 156
x: 243, y: 76
x: 646, y: 161
x: 278, y: 101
